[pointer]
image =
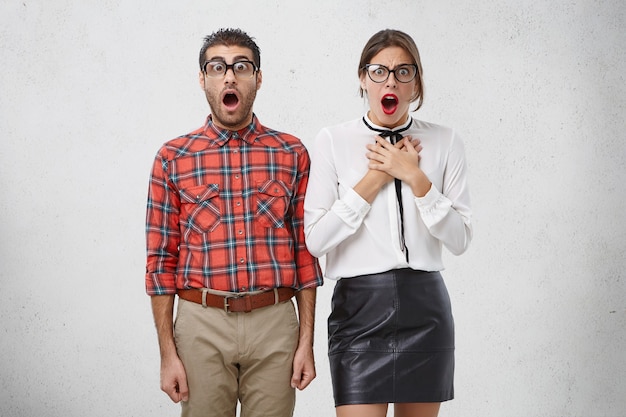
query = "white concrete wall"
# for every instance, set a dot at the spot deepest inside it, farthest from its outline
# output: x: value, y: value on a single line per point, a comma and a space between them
x: 90, y: 89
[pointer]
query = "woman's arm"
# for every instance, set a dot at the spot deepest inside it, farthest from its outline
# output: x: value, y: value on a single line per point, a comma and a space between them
x: 331, y: 216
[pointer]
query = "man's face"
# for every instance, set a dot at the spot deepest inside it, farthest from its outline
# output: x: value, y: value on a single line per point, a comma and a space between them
x: 230, y: 97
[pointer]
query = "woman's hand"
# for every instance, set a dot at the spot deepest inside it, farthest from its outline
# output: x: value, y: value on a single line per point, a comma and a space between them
x: 400, y: 161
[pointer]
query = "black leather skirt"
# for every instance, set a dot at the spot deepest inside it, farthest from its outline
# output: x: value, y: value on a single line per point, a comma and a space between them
x: 391, y: 339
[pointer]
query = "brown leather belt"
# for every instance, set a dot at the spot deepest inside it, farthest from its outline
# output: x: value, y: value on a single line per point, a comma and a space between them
x: 238, y: 304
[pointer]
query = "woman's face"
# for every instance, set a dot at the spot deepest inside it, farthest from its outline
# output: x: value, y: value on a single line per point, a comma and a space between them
x: 389, y: 101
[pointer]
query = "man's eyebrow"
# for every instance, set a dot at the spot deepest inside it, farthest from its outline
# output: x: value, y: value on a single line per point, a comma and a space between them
x: 235, y: 59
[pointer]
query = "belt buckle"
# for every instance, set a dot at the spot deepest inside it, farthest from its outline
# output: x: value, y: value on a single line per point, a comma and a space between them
x: 226, y: 305
x: 246, y: 298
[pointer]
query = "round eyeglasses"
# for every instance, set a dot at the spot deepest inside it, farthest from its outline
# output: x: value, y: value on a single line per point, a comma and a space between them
x: 241, y: 69
x: 404, y: 73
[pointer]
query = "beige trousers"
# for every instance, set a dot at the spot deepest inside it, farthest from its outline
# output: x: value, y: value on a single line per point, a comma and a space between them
x: 230, y: 357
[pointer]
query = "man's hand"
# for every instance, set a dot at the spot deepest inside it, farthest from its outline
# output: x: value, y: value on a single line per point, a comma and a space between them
x: 174, y: 379
x: 173, y: 375
x: 303, y: 368
x: 303, y: 362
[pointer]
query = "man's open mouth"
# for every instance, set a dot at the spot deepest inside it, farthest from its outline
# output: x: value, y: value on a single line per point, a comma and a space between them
x: 389, y: 103
x: 230, y: 100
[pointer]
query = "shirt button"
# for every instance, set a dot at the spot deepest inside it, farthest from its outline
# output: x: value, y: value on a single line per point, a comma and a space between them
x: 243, y: 288
x: 240, y: 232
x: 242, y: 260
x: 237, y: 176
x: 238, y: 203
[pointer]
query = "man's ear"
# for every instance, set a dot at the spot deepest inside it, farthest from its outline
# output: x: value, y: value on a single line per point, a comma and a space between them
x: 259, y: 80
x: 201, y: 79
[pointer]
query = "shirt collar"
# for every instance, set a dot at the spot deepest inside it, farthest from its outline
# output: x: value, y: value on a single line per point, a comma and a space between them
x: 221, y: 136
x: 409, y: 120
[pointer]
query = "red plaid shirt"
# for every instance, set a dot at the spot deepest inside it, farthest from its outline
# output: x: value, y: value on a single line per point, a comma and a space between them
x: 225, y: 211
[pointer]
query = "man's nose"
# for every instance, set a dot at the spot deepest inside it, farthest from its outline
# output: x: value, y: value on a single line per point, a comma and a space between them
x: 229, y: 75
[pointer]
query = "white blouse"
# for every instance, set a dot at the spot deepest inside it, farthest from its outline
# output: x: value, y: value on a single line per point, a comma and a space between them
x: 358, y: 238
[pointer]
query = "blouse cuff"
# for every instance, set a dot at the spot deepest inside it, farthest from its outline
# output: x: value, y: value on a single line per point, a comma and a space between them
x: 356, y: 203
x: 429, y: 200
x: 433, y: 206
x: 351, y: 208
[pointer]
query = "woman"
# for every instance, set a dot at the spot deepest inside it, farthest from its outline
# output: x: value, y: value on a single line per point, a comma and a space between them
x: 381, y: 213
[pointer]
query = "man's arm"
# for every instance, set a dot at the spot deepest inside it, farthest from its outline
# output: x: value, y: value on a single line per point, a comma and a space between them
x: 173, y: 376
x: 303, y: 361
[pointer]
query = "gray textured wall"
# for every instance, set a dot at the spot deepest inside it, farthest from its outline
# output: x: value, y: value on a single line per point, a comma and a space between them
x: 90, y: 89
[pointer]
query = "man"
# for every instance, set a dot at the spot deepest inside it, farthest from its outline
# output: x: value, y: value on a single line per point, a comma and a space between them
x: 225, y: 233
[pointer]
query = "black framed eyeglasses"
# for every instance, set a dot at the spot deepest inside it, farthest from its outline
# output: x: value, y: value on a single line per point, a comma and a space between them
x: 241, y: 69
x: 404, y: 73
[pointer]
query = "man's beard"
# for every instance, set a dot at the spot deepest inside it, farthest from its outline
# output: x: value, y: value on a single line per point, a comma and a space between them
x: 235, y: 120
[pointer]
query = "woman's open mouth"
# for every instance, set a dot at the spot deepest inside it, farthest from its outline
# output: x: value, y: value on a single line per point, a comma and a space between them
x: 389, y: 103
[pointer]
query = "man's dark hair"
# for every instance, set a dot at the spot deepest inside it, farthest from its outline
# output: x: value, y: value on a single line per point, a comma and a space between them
x: 230, y: 37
